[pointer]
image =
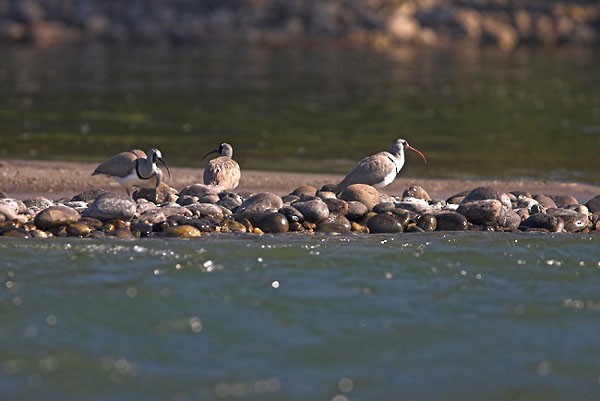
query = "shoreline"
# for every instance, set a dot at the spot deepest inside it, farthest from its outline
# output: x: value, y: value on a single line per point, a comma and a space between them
x: 24, y: 179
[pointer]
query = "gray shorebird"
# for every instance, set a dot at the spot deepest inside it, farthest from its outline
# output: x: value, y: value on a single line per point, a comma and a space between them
x: 223, y: 170
x: 380, y: 169
x: 134, y: 169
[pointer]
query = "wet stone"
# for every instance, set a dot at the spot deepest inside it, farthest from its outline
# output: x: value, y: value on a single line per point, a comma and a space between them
x: 365, y: 194
x: 141, y: 230
x: 427, y: 222
x: 152, y: 216
x: 542, y: 221
x: 488, y: 193
x: 111, y: 206
x: 333, y: 228
x: 292, y: 214
x: 78, y: 229
x: 384, y: 207
x: 325, y: 195
x: 356, y: 210
x: 451, y: 221
x: 289, y: 199
x: 274, y: 222
x: 416, y: 191
x: 185, y: 231
x: 314, y: 211
x: 384, y: 223
x: 55, y: 216
x: 234, y: 226
x: 482, y: 212
x: 296, y: 227
x: 257, y: 205
x: 593, y: 204
x: 229, y: 202
x: 187, y: 200
x: 14, y: 232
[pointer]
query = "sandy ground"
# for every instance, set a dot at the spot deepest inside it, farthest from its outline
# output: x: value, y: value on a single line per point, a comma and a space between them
x: 23, y: 179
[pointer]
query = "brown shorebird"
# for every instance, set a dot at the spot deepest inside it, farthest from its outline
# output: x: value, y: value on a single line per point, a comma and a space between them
x: 223, y: 170
x: 380, y: 169
x: 134, y: 169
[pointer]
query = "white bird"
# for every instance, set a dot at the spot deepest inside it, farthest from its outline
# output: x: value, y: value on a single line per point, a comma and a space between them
x: 380, y: 169
x: 134, y: 169
x: 223, y: 170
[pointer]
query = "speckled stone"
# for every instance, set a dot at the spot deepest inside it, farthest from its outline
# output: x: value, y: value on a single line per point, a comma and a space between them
x: 209, y: 198
x: 511, y: 220
x: 88, y: 196
x: 486, y: 193
x: 314, y: 211
x: 111, y: 206
x: 56, y: 216
x: 541, y: 221
x: 206, y: 210
x: 416, y: 191
x: 336, y: 206
x: 257, y: 205
x: 481, y: 212
x: 199, y: 190
x: 38, y: 202
x: 292, y: 214
x: 573, y: 221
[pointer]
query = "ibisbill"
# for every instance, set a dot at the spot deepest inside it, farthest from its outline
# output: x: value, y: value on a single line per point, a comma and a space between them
x: 134, y: 169
x: 222, y: 171
x: 380, y: 169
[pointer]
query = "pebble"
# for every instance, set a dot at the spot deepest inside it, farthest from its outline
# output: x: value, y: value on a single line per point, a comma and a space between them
x: 362, y: 193
x: 481, y: 212
x: 185, y: 231
x: 356, y: 210
x: 55, y: 216
x: 593, y: 204
x: 384, y: 223
x: 111, y: 206
x: 451, y: 221
x: 257, y: 205
x: 427, y: 222
x: 274, y: 222
x: 206, y: 210
x: 416, y: 191
x: 314, y: 211
x: 540, y: 221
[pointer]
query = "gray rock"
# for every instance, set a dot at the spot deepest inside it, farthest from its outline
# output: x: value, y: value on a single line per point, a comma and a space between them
x: 356, y: 210
x: 485, y: 193
x: 314, y: 211
x: 257, y: 205
x: 332, y: 227
x: 111, y: 206
x: 7, y: 212
x: 384, y: 223
x: 206, y: 210
x: 384, y: 207
x: 573, y: 221
x: 56, y: 216
x: 451, y: 221
x: 38, y: 202
x: 292, y: 214
x: 594, y: 204
x: 230, y: 202
x: 209, y: 198
x: 540, y: 221
x: 15, y: 204
x: 304, y: 190
x: 511, y: 220
x: 173, y: 209
x: 337, y: 206
x: 481, y: 212
x: 415, y: 205
x: 199, y: 190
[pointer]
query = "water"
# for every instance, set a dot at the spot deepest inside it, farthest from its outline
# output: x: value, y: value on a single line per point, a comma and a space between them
x: 475, y: 112
x: 409, y: 317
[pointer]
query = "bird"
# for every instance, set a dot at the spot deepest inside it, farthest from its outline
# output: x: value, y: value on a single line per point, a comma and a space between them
x: 134, y: 169
x: 380, y: 169
x: 223, y: 170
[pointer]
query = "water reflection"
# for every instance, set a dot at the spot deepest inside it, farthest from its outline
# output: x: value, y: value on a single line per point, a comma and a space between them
x: 483, y: 112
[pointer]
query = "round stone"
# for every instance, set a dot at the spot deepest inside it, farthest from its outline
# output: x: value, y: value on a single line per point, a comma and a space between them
x: 384, y: 223
x: 363, y: 193
x: 337, y: 206
x: 593, y: 204
x: 56, y: 216
x: 314, y: 211
x: 540, y: 221
x: 185, y: 231
x: 292, y: 214
x: 544, y: 200
x: 333, y: 228
x: 356, y: 210
x: 38, y: 202
x: 427, y: 222
x: 206, y: 210
x: 481, y: 212
x: 78, y: 229
x: 257, y: 205
x: 274, y: 223
x: 562, y: 201
x: 304, y: 190
x: 486, y: 193
x: 88, y: 196
x: 111, y: 206
x: 451, y: 221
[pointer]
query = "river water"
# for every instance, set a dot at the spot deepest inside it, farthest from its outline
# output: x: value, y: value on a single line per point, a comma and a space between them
x: 409, y: 317
x: 474, y: 112
x: 458, y: 316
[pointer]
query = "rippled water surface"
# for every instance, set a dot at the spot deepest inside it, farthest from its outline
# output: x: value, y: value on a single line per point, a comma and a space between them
x: 420, y: 317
